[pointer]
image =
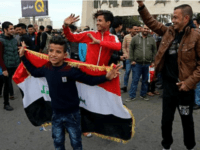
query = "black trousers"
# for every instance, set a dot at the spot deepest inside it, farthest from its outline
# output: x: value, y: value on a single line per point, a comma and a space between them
x: 152, y: 86
x: 8, y: 88
x: 183, y: 101
x: 1, y: 84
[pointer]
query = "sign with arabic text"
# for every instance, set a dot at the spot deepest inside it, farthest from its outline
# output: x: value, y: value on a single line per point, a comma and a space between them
x: 32, y: 8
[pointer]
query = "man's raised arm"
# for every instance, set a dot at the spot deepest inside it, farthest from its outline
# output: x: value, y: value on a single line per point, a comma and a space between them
x: 152, y: 23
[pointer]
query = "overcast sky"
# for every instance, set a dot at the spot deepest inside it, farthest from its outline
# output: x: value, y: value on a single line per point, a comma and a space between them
x: 10, y: 10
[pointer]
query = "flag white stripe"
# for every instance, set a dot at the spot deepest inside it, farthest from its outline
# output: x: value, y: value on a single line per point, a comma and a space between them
x: 97, y: 99
x: 32, y: 88
x: 100, y: 101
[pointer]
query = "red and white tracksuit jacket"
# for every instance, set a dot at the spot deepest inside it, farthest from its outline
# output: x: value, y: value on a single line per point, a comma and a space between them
x: 97, y: 54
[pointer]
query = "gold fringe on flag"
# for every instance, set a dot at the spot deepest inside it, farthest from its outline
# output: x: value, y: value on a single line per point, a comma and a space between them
x: 74, y: 64
x: 118, y: 139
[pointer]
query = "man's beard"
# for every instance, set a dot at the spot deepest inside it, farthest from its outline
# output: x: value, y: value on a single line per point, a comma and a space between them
x: 145, y: 33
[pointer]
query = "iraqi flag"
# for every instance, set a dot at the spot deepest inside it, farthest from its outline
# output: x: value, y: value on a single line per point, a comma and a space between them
x: 102, y: 111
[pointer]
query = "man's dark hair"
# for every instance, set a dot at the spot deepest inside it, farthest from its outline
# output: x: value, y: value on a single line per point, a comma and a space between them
x: 6, y: 25
x: 59, y: 41
x: 22, y: 25
x: 117, y: 22
x: 186, y: 10
x: 197, y: 20
x: 108, y: 16
x: 30, y: 26
x: 134, y: 25
x: 49, y: 27
x: 41, y: 27
x: 73, y: 27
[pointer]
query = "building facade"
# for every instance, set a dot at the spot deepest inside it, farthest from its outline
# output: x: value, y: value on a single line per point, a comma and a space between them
x: 130, y: 8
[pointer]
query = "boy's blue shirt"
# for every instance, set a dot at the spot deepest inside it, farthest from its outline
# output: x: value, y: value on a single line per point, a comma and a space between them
x: 62, y: 83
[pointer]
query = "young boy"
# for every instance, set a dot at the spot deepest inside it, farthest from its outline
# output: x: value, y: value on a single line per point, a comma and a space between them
x: 61, y: 80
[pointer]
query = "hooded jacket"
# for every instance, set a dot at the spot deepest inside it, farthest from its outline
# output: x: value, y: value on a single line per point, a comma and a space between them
x: 97, y: 54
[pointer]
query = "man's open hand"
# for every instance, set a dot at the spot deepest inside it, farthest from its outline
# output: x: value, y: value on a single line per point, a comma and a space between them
x: 22, y: 49
x: 71, y: 19
x: 182, y: 86
x: 94, y: 41
x: 113, y: 73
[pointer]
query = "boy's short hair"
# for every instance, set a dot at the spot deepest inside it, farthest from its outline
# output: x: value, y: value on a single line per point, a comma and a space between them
x: 108, y: 15
x: 58, y: 40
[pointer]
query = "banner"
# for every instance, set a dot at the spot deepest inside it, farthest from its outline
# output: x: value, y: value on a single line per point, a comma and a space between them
x: 32, y: 8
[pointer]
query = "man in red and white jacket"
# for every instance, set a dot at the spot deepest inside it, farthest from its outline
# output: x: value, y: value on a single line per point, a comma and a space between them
x: 101, y: 43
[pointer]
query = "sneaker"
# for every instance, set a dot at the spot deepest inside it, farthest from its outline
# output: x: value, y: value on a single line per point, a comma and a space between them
x: 124, y: 89
x: 130, y: 99
x: 144, y: 98
x: 8, y: 107
x: 88, y: 135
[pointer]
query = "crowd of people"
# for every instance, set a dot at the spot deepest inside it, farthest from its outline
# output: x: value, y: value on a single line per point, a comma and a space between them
x: 154, y: 52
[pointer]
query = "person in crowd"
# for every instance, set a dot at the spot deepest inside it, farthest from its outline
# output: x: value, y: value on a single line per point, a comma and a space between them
x: 115, y: 30
x: 74, y: 46
x: 39, y: 34
x: 9, y: 61
x: 139, y: 28
x: 125, y: 48
x: 178, y: 59
x: 141, y: 54
x: 33, y: 36
x: 128, y: 30
x: 45, y: 39
x: 100, y: 44
x: 196, y: 22
x: 152, y: 81
x: 16, y: 35
x: 24, y: 36
x: 65, y: 101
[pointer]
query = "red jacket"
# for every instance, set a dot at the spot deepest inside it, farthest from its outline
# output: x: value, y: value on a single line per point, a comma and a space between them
x: 97, y: 54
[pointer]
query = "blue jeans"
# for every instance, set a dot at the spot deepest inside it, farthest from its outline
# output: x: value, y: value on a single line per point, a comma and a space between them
x: 137, y: 71
x: 197, y: 94
x: 128, y: 70
x: 70, y: 122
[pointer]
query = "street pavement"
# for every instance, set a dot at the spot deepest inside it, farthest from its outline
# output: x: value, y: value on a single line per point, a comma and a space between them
x: 17, y: 133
